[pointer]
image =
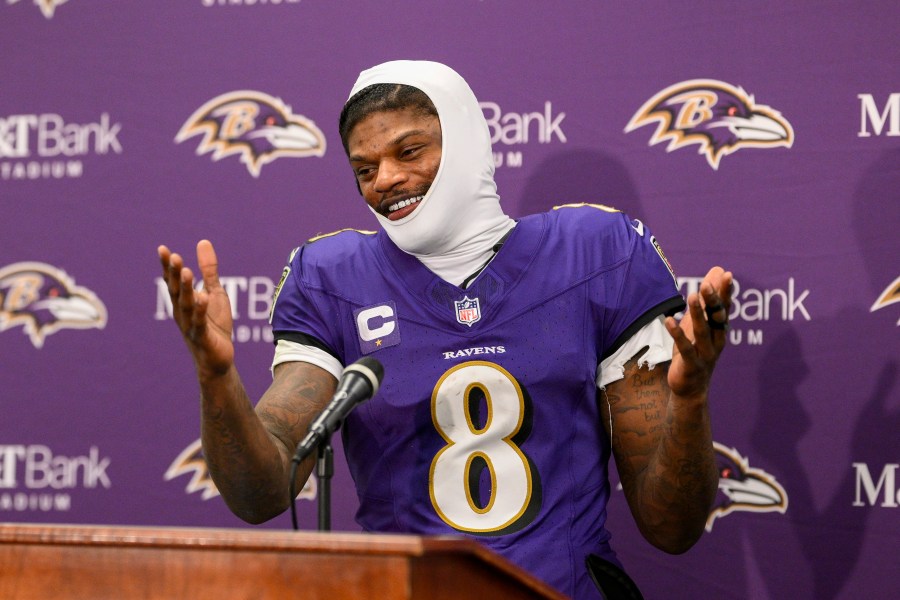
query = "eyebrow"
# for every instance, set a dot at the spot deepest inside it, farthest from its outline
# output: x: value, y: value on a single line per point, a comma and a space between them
x: 394, y: 142
x: 399, y: 139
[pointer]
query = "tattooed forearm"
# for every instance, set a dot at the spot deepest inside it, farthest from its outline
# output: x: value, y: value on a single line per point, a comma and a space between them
x: 290, y: 406
x: 663, y: 452
x: 248, y: 451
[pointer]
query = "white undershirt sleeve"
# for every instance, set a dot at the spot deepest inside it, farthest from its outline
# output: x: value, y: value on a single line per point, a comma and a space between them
x: 653, y: 335
x: 286, y: 351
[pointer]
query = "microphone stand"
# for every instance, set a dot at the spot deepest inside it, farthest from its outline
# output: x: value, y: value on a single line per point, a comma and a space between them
x: 324, y: 472
x: 357, y: 383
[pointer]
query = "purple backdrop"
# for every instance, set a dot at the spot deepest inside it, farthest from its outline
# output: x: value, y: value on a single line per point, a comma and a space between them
x: 764, y: 137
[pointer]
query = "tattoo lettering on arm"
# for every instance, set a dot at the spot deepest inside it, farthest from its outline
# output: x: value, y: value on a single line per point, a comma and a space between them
x: 663, y: 453
x: 635, y: 419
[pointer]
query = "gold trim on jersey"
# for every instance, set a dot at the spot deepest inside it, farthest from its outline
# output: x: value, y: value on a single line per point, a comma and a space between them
x: 325, y: 235
x: 602, y: 207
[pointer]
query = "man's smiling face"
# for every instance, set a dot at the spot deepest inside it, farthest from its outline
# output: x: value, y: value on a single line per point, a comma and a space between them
x: 395, y: 155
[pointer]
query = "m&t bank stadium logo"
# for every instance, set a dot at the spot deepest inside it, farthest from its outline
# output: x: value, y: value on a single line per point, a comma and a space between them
x: 718, y: 117
x: 257, y: 127
x: 43, y: 300
x: 47, y: 6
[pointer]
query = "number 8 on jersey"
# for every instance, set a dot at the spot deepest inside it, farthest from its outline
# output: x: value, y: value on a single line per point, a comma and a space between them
x: 470, y: 450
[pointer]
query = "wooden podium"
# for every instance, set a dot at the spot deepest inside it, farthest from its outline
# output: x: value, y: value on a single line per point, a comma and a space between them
x: 121, y: 563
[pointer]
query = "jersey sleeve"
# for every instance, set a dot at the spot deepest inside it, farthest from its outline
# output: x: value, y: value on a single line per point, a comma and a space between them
x: 646, y: 286
x: 653, y: 338
x: 302, y: 314
x: 287, y: 351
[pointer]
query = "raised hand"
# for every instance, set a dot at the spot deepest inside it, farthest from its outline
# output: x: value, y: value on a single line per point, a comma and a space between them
x: 204, y: 317
x: 701, y: 335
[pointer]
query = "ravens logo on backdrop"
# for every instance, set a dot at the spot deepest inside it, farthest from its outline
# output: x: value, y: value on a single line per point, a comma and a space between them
x: 47, y: 6
x: 743, y: 488
x: 257, y: 127
x: 715, y: 115
x: 43, y: 299
x: 191, y: 462
x: 890, y: 295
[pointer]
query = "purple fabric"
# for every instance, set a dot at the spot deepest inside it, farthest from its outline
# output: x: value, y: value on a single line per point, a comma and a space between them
x: 563, y: 288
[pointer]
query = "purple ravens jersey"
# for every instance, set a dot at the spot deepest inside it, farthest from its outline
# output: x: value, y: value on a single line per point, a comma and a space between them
x: 487, y: 421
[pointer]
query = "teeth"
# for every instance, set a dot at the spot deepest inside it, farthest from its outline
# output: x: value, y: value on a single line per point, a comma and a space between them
x: 404, y: 203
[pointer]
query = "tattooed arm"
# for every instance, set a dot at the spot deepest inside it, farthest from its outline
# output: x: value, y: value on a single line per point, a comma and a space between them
x: 664, y: 455
x: 658, y: 421
x: 248, y: 451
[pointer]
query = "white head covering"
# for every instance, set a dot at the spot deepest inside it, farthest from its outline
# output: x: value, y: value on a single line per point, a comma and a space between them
x: 456, y: 225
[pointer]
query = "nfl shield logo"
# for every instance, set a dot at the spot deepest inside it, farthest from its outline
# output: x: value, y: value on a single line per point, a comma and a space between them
x: 467, y: 311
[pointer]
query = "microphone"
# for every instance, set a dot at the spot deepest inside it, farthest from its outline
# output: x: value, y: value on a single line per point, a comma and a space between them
x: 358, y: 383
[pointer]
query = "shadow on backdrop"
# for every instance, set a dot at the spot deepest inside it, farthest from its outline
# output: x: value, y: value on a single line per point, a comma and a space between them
x: 576, y: 176
x: 831, y: 538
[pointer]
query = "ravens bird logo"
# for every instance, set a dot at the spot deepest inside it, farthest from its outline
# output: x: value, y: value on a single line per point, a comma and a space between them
x: 742, y: 488
x: 43, y: 299
x: 715, y: 115
x: 47, y: 6
x: 191, y: 462
x: 255, y: 126
x: 890, y: 295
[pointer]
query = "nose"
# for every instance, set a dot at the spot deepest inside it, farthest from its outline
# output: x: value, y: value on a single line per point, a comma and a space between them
x: 390, y: 174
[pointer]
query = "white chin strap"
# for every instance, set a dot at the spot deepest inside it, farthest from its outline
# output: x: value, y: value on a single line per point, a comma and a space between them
x: 459, y: 220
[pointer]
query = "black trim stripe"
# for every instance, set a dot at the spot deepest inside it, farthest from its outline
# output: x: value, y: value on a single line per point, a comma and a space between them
x: 495, y: 249
x: 305, y: 340
x: 668, y: 307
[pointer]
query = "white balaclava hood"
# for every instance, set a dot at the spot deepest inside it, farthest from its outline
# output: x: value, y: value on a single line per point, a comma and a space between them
x: 459, y: 220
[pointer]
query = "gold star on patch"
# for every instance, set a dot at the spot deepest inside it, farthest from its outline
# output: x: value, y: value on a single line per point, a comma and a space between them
x: 377, y: 342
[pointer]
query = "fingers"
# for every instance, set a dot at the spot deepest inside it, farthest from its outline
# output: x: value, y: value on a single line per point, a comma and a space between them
x: 165, y: 258
x: 701, y: 335
x: 164, y: 254
x: 193, y: 307
x: 704, y: 335
x: 683, y: 344
x: 715, y: 292
x: 172, y: 265
x: 188, y: 305
x: 185, y: 291
x: 714, y: 307
x: 209, y: 264
x: 717, y: 282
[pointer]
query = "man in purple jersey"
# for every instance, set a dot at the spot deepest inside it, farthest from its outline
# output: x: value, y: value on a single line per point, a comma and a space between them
x: 517, y: 354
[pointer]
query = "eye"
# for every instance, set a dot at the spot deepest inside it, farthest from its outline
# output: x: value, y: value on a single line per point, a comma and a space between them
x: 364, y: 172
x: 732, y: 110
x: 270, y: 120
x: 410, y: 151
